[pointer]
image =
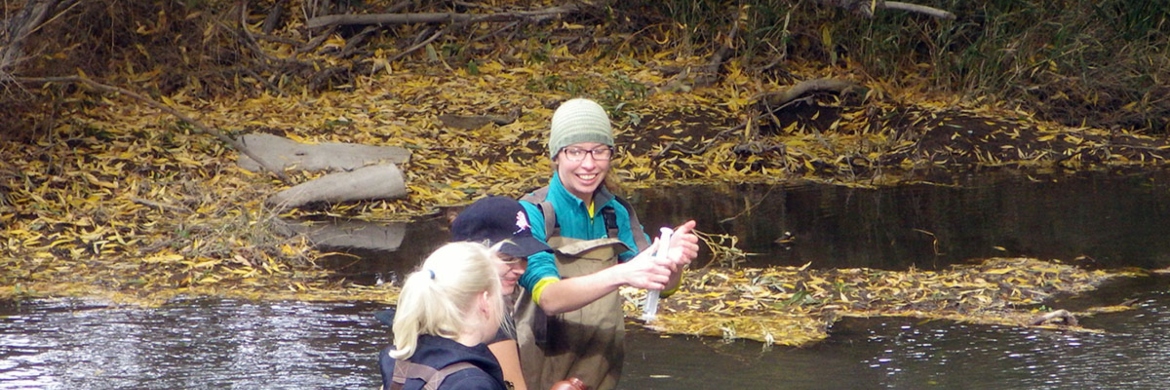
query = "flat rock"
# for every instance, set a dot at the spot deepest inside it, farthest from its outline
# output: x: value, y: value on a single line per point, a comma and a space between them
x: 352, y: 234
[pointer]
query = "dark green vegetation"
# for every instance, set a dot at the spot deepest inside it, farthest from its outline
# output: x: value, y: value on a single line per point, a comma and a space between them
x: 1100, y: 64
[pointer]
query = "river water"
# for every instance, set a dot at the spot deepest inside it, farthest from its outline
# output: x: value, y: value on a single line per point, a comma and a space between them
x: 1095, y: 220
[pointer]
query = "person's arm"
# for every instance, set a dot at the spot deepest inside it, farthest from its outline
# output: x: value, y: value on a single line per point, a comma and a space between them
x: 565, y: 295
x: 507, y: 352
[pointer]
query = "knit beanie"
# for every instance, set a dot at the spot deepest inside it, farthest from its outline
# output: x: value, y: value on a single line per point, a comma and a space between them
x: 579, y: 120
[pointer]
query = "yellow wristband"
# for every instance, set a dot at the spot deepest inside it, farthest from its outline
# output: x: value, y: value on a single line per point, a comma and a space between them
x: 538, y: 289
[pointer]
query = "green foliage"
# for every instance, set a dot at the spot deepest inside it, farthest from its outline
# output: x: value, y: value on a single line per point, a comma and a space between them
x: 620, y: 88
x: 767, y: 33
x: 541, y: 53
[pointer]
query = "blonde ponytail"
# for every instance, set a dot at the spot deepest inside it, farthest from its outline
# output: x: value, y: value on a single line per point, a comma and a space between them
x: 438, y: 298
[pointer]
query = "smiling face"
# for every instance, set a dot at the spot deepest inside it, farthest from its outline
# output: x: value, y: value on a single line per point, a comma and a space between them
x: 583, y: 177
x: 509, y: 268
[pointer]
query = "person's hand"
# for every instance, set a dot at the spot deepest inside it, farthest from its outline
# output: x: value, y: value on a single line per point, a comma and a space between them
x: 570, y: 384
x: 684, y: 246
x: 646, y: 271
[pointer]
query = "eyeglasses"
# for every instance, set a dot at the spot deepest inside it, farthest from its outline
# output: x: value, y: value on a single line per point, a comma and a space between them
x: 602, y: 153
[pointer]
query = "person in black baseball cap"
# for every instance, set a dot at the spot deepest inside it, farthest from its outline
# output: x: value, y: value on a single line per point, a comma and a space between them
x: 500, y: 222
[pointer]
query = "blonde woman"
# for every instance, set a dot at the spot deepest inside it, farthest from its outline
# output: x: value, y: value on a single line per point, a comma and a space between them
x: 446, y: 311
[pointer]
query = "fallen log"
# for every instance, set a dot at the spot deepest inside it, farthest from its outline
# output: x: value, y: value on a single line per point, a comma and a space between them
x: 779, y: 98
x: 367, y: 183
x: 330, y: 156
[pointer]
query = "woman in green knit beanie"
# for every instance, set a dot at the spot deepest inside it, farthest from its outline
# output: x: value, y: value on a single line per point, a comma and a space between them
x: 570, y: 321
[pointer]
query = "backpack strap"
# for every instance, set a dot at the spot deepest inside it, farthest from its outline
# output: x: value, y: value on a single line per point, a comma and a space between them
x: 540, y: 199
x: 404, y: 370
x: 437, y: 379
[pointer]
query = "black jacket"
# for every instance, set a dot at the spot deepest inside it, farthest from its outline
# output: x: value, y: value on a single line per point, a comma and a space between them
x: 438, y: 352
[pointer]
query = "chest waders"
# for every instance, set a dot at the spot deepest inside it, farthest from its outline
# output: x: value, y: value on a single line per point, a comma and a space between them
x: 588, y: 343
x: 404, y: 370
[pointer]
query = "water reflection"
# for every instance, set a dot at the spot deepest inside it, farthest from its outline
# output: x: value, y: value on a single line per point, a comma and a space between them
x: 189, y: 344
x: 1110, y: 220
x: 237, y: 344
x: 1090, y: 219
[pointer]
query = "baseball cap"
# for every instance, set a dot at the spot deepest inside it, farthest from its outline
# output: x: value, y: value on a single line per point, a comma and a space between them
x: 495, y: 219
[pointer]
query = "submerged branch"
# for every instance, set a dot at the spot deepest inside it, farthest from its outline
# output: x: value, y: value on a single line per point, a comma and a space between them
x: 1062, y: 316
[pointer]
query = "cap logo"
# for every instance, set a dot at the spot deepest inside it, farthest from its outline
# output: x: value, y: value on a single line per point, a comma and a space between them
x: 521, y: 222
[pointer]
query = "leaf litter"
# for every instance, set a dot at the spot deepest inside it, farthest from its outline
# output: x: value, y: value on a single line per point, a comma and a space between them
x: 120, y: 201
x: 797, y: 305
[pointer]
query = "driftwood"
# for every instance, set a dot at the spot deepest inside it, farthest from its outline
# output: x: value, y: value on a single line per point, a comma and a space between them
x: 238, y: 146
x: 438, y: 17
x: 372, y: 182
x: 329, y: 156
x: 780, y: 98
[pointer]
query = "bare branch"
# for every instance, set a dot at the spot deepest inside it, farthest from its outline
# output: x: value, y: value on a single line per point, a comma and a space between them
x: 868, y: 7
x: 438, y: 17
x: 922, y: 9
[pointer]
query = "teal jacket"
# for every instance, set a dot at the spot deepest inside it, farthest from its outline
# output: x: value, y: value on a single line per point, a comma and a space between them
x: 573, y: 216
